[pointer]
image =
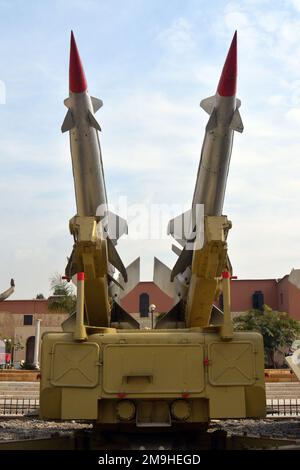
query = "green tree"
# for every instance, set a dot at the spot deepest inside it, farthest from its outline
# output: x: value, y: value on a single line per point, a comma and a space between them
x: 63, y: 298
x: 278, y: 329
x: 40, y: 296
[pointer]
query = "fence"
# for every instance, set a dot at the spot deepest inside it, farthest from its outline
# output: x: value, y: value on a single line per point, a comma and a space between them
x: 283, y: 407
x: 18, y: 406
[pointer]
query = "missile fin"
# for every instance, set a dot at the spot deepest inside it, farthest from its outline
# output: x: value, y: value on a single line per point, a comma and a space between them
x: 180, y: 227
x: 133, y: 273
x: 183, y: 262
x: 69, y: 122
x: 93, y: 121
x: 176, y: 250
x: 123, y: 319
x: 114, y: 281
x: 162, y: 276
x: 115, y: 226
x: 208, y: 104
x: 67, y: 102
x: 212, y: 122
x: 238, y: 102
x: 216, y: 316
x: 173, y: 319
x: 119, y: 289
x: 236, y: 122
x: 114, y: 258
x: 97, y: 104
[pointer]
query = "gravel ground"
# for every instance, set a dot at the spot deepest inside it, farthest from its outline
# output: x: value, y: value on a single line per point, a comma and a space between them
x: 31, y: 427
x: 277, y: 428
x: 28, y: 428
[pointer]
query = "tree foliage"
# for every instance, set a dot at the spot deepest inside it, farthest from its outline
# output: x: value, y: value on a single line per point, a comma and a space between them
x: 277, y: 328
x: 63, y: 298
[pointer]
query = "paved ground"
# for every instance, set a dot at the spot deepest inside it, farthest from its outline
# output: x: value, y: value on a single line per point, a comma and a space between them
x: 277, y: 428
x: 27, y: 428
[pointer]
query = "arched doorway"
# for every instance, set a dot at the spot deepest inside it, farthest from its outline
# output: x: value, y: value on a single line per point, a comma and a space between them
x: 144, y: 305
x: 30, y: 349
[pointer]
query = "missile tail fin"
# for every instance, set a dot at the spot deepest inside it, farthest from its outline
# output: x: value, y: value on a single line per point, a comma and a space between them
x: 116, y: 226
x: 183, y: 262
x: 175, y: 318
x: 176, y: 250
x: 181, y: 227
x: 162, y: 277
x: 123, y: 319
x: 114, y: 258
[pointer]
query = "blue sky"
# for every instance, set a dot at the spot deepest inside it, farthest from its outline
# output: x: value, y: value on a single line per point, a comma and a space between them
x: 151, y: 62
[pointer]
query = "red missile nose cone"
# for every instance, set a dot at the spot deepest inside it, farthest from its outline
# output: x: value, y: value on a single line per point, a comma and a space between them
x: 227, y: 83
x: 77, y: 80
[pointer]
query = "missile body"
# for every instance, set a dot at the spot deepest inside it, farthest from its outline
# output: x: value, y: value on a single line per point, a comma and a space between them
x: 86, y: 156
x: 100, y: 259
x: 223, y: 109
x: 217, y: 146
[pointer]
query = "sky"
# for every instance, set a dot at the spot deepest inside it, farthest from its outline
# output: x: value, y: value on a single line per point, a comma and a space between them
x: 151, y: 62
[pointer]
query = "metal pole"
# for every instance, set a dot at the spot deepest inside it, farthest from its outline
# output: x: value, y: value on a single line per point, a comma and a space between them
x: 80, y: 331
x: 227, y: 327
x: 37, y: 344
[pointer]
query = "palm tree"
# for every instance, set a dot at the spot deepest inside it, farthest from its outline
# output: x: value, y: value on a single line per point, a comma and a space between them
x: 63, y: 298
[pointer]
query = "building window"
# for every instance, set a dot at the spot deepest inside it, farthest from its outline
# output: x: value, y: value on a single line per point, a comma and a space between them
x: 28, y: 320
x: 144, y: 305
x: 258, y: 300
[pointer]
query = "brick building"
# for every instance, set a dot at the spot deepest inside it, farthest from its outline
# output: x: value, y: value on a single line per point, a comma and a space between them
x: 280, y: 294
x: 17, y: 323
x: 18, y: 317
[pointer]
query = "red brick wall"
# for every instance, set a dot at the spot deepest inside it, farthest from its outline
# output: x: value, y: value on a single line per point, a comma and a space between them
x: 25, y: 307
x: 242, y: 291
x: 156, y: 296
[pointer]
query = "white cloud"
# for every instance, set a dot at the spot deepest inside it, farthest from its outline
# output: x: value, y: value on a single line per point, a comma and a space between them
x: 178, y: 38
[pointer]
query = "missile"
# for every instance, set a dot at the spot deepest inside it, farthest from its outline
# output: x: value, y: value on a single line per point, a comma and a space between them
x: 80, y: 121
x: 88, y: 174
x: 223, y: 109
x: 102, y: 287
x: 224, y: 119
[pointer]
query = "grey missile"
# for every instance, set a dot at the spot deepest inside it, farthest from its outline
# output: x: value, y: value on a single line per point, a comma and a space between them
x: 86, y: 156
x: 223, y: 109
x: 88, y: 174
x: 225, y: 118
